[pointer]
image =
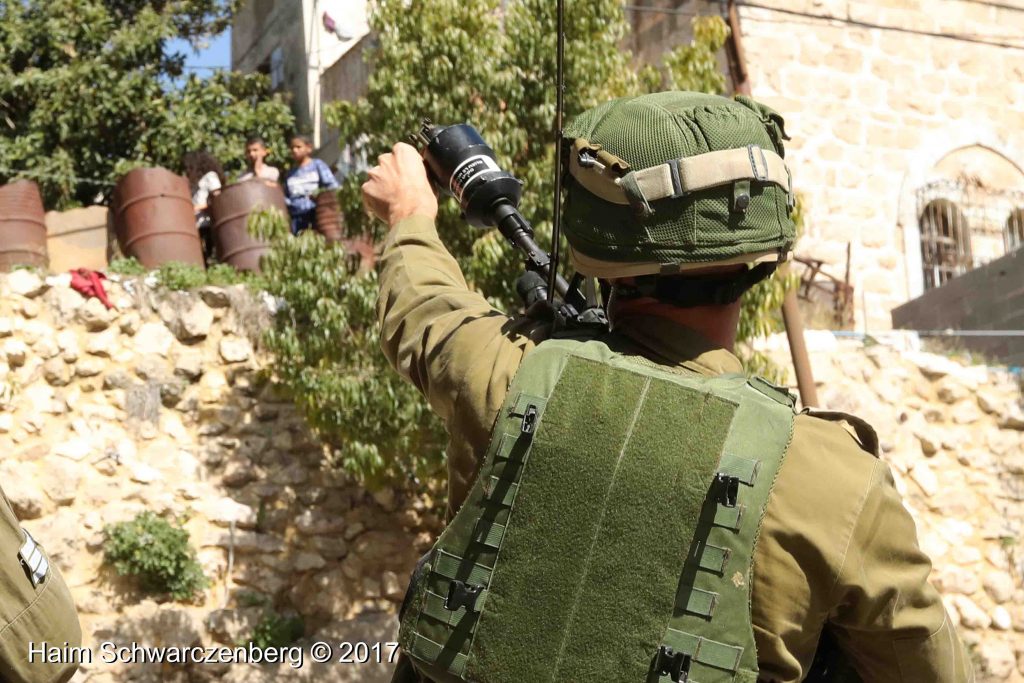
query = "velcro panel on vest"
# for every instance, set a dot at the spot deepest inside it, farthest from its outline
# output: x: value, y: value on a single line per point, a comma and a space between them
x: 588, y: 569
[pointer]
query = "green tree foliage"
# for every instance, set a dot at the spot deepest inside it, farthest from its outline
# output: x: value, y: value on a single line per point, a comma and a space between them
x: 89, y: 88
x: 325, y: 343
x: 158, y: 553
x: 695, y: 66
x: 450, y: 61
x: 464, y: 60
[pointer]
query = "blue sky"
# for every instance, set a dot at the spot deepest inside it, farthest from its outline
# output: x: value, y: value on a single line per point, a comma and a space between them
x: 216, y: 54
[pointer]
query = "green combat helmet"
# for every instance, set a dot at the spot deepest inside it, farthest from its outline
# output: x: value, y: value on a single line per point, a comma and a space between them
x: 675, y: 181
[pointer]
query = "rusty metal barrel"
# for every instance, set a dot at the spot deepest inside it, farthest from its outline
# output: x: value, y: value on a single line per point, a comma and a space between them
x: 230, y: 210
x: 328, y: 218
x: 154, y: 219
x: 22, y: 226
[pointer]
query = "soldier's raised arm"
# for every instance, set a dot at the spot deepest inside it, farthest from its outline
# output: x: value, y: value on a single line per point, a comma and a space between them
x: 458, y: 350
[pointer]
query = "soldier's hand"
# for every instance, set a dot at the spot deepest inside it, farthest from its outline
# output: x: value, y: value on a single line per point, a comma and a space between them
x: 398, y: 187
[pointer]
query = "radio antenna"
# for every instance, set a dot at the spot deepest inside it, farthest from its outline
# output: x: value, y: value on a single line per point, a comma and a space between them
x: 556, y: 223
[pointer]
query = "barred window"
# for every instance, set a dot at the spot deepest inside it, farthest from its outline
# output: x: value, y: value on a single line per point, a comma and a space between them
x: 945, y: 242
x: 1014, y: 233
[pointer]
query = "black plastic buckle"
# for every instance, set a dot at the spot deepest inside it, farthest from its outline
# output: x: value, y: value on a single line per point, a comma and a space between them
x: 529, y: 419
x: 730, y: 489
x: 675, y: 665
x: 461, y: 594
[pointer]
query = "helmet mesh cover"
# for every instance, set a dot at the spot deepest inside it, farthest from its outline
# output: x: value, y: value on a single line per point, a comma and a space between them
x: 651, y: 130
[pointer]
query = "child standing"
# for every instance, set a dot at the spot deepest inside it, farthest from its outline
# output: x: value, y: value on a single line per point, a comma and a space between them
x: 302, y: 182
x: 255, y: 155
x: 205, y: 178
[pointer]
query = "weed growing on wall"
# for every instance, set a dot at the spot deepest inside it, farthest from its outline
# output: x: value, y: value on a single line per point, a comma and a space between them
x: 157, y: 552
x: 276, y: 630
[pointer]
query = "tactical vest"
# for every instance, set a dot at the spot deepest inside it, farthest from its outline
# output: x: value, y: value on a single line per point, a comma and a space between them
x: 610, y: 532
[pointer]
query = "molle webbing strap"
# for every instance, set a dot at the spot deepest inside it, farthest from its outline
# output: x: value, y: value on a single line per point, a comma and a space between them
x: 714, y: 559
x: 678, y: 177
x: 718, y: 644
x: 439, y: 626
x: 705, y: 651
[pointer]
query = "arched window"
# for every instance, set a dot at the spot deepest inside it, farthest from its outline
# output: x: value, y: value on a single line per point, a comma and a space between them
x: 945, y: 242
x: 1013, y: 235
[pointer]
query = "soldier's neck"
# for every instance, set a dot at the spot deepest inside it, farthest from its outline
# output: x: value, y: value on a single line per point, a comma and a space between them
x: 717, y: 324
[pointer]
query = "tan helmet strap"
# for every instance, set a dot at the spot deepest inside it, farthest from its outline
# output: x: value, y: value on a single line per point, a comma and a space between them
x: 678, y: 177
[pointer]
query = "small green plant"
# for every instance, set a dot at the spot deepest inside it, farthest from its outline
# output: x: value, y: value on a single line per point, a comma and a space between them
x: 275, y: 630
x: 157, y: 552
x: 223, y: 275
x: 127, y: 266
x: 247, y: 598
x: 176, y: 275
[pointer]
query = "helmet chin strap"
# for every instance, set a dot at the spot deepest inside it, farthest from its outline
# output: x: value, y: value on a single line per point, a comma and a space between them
x: 687, y: 292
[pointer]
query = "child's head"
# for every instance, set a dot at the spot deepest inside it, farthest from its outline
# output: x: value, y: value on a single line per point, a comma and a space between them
x: 198, y: 163
x: 255, y: 150
x: 302, y: 148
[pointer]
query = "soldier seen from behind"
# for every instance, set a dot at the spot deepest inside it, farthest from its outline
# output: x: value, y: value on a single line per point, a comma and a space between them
x: 627, y: 505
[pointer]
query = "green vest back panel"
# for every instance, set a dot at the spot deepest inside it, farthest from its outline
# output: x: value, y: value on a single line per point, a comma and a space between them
x: 610, y: 532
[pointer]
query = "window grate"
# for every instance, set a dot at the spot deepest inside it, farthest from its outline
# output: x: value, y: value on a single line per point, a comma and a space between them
x: 1014, y: 234
x: 963, y: 225
x: 945, y: 242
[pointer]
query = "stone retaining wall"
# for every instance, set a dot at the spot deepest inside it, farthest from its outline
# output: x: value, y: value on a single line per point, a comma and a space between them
x: 161, y: 405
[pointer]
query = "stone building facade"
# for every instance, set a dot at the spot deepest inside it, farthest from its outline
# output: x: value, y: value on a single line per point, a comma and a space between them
x: 907, y: 119
x: 311, y: 49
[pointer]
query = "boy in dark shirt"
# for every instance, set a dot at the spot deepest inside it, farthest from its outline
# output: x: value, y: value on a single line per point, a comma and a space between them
x: 305, y: 178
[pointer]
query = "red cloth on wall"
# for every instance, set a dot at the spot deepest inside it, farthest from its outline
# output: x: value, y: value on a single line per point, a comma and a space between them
x: 89, y: 283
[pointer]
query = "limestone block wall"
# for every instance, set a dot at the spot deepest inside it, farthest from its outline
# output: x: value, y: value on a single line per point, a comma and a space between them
x: 875, y: 98
x: 162, y: 405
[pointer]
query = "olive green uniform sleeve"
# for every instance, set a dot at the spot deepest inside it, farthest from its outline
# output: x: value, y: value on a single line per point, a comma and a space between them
x: 886, y: 615
x: 837, y: 542
x: 457, y: 349
x: 33, y: 616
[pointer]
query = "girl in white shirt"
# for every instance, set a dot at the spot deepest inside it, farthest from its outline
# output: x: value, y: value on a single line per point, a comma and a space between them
x: 206, y: 178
